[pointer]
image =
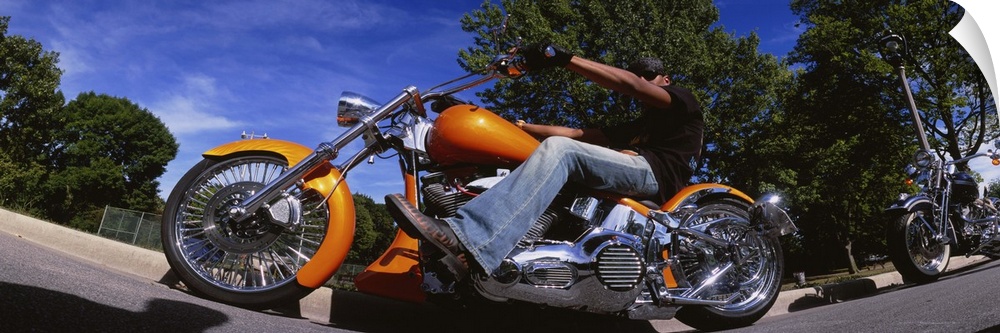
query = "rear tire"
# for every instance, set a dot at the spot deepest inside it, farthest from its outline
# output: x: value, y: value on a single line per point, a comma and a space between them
x: 918, y: 257
x: 253, y: 263
x: 757, y: 281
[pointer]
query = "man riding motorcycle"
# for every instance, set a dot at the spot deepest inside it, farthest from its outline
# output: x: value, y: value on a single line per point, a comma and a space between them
x: 651, y: 157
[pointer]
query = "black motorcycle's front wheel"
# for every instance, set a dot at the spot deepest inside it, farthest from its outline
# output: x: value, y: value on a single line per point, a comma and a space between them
x: 250, y: 263
x: 917, y: 255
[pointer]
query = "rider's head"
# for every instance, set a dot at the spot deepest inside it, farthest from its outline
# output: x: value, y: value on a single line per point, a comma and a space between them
x: 650, y: 69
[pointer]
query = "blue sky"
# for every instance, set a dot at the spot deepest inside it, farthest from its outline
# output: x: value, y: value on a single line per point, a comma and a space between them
x: 213, y: 69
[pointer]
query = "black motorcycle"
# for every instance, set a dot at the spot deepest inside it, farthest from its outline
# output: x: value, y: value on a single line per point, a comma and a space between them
x: 947, y: 212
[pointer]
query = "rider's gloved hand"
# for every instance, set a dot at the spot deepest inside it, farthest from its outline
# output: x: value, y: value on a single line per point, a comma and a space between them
x: 544, y: 55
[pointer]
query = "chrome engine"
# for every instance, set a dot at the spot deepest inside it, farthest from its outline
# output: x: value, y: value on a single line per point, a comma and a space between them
x: 582, y: 254
x: 982, y: 222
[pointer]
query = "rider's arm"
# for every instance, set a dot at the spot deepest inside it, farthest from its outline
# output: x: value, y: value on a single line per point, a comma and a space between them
x: 622, y: 81
x: 588, y: 135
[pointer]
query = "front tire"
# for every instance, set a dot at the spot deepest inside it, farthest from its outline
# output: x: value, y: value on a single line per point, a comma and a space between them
x: 251, y: 263
x: 917, y: 256
x: 752, y: 285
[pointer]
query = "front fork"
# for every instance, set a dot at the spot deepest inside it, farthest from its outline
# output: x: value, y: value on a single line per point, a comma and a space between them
x: 938, y: 226
x: 326, y: 152
x: 943, y: 232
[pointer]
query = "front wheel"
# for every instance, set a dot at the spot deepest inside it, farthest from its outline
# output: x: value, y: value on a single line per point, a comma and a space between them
x: 251, y: 263
x: 753, y: 282
x: 913, y: 248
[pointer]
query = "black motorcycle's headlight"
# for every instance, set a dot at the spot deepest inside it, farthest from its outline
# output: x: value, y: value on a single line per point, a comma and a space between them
x: 923, y: 159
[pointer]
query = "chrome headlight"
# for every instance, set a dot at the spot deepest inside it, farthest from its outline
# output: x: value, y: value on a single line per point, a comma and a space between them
x: 923, y: 159
x: 352, y: 107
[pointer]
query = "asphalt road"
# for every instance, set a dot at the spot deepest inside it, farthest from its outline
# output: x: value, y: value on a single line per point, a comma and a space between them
x: 42, y: 290
x: 962, y: 301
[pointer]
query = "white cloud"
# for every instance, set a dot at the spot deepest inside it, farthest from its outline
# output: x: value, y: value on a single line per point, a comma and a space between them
x: 185, y: 115
x: 193, y: 109
x: 72, y: 60
x: 304, y: 44
x: 313, y: 14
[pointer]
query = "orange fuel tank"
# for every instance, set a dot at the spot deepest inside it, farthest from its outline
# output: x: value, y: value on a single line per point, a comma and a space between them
x: 471, y: 134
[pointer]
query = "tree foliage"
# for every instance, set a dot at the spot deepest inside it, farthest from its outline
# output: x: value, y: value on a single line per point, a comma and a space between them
x: 29, y: 96
x: 66, y: 162
x: 952, y: 94
x: 373, y: 233
x: 29, y: 100
x: 852, y: 127
x: 19, y: 182
x: 992, y: 189
x: 110, y: 152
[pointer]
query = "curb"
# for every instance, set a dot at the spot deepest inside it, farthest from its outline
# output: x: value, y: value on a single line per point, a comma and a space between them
x: 318, y: 305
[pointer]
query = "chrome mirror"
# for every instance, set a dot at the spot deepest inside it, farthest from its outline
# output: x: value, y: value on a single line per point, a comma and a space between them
x: 893, y: 48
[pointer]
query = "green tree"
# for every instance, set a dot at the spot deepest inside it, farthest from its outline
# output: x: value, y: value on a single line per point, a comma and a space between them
x: 29, y: 99
x: 952, y: 94
x: 29, y: 96
x: 852, y: 126
x: 20, y: 183
x: 374, y: 231
x: 110, y: 152
x: 992, y: 189
x: 739, y: 88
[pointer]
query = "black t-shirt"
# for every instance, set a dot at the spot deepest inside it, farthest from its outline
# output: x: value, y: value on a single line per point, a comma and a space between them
x: 669, y: 139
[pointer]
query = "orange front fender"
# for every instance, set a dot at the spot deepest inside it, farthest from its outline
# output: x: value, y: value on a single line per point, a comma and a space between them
x: 340, y: 226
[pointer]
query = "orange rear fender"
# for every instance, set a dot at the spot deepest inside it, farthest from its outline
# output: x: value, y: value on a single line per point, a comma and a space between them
x: 696, y: 192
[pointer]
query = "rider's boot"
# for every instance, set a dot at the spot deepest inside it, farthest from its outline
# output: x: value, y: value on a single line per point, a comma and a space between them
x: 434, y: 231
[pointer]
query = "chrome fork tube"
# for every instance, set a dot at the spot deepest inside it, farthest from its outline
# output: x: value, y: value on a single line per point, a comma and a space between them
x: 941, y: 235
x: 917, y: 122
x: 326, y: 152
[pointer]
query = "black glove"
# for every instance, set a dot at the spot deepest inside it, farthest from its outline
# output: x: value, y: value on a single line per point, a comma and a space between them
x: 544, y: 55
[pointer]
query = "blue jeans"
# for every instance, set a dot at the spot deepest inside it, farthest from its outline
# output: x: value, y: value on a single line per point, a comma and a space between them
x: 491, y: 224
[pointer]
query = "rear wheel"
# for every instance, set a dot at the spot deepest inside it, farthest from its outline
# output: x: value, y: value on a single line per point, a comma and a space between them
x: 251, y: 263
x: 913, y: 249
x: 751, y: 285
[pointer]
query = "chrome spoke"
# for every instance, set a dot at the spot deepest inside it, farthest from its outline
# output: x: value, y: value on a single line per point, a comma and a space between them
x: 755, y: 271
x: 246, y: 255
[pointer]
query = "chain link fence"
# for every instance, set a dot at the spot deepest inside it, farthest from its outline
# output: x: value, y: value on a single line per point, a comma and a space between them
x: 132, y: 227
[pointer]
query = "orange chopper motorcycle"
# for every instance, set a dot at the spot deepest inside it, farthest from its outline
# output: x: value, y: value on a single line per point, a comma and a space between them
x: 263, y: 222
